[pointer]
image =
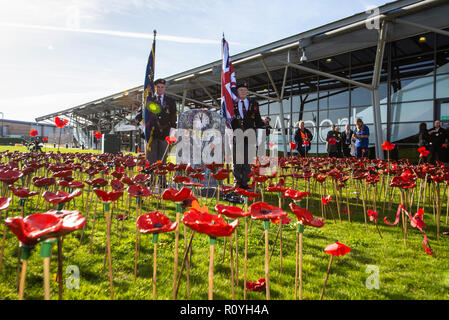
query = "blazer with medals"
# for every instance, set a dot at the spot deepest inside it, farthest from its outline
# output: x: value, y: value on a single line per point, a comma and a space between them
x: 165, y: 120
x: 252, y: 120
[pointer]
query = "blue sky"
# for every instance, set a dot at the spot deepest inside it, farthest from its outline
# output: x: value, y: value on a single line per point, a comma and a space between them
x: 56, y: 54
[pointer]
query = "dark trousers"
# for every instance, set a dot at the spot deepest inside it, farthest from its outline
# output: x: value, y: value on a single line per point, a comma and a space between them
x: 435, y: 154
x: 346, y: 151
x: 155, y: 153
x: 360, y: 153
x: 241, y: 171
x: 333, y: 154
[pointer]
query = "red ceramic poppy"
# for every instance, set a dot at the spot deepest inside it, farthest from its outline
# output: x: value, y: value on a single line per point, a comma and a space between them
x: 193, y: 184
x: 283, y: 220
x: 388, y: 146
x: 270, y: 145
x: 45, y: 139
x: 326, y: 200
x: 220, y: 175
x: 210, y: 224
x: 227, y: 189
x: 372, y: 215
x: 4, y: 203
x: 39, y: 226
x: 262, y: 210
x: 305, y: 216
x: 337, y: 249
x: 246, y: 193
x: 71, y: 220
x: 34, y: 132
x: 63, y: 174
x: 34, y: 227
x: 231, y: 211
x: 256, y: 286
x: 23, y: 193
x: 171, y: 140
x: 60, y: 196
x: 155, y: 222
x: 76, y: 185
x: 138, y: 191
x: 277, y: 188
x: 332, y: 141
x: 293, y: 146
x: 42, y: 182
x: 117, y: 185
x: 10, y: 176
x: 423, y: 152
x: 108, y: 196
x: 320, y: 178
x: 198, y: 175
x: 174, y: 195
x: 294, y: 194
x: 260, y: 178
x: 98, y: 135
x: 61, y: 123
x: 64, y: 183
x: 181, y: 179
x: 97, y: 183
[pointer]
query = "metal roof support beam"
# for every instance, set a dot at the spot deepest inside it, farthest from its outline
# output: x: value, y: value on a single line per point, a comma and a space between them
x: 325, y: 74
x: 193, y: 100
x: 250, y: 92
x: 281, y: 107
x: 207, y: 92
x: 375, y: 92
x: 183, y: 103
x: 421, y: 26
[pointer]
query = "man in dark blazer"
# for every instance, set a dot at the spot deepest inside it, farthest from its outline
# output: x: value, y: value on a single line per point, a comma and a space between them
x: 346, y: 137
x: 246, y: 117
x: 164, y: 125
x: 333, y: 139
x: 438, y: 141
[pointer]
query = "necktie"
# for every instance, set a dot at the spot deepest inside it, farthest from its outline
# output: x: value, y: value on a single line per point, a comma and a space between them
x: 159, y: 100
x: 243, y: 109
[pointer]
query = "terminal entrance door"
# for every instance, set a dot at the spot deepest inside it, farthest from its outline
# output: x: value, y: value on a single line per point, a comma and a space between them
x: 443, y: 112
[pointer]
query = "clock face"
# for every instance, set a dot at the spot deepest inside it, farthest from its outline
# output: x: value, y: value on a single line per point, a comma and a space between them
x: 201, y: 120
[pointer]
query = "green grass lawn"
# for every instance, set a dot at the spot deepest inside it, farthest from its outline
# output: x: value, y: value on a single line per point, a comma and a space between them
x: 405, y: 273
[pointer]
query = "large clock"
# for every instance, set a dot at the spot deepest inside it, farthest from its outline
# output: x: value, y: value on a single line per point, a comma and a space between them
x: 201, y: 120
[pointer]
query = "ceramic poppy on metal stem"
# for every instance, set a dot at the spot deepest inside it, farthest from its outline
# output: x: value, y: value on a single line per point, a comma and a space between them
x: 215, y: 226
x: 265, y: 212
x: 155, y: 222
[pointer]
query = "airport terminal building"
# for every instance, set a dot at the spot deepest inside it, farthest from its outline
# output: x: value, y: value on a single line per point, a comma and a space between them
x: 388, y: 66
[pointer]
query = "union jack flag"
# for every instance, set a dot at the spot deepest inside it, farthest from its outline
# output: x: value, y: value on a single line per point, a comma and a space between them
x: 228, y: 85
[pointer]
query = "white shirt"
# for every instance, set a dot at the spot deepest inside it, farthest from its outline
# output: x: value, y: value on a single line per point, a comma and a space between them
x: 162, y: 98
x: 246, y: 103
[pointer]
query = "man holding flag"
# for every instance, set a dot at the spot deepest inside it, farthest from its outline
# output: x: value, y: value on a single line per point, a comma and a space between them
x: 159, y: 113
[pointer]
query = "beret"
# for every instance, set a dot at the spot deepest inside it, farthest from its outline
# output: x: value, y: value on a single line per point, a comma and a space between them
x: 242, y: 85
x: 162, y: 81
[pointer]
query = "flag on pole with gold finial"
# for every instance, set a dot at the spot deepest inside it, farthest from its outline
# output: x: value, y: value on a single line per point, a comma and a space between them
x: 150, y: 107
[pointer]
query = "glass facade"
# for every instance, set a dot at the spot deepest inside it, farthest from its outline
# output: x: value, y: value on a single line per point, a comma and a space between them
x: 414, y: 83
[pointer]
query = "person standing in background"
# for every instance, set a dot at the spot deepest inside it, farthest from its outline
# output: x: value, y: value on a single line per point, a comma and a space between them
x: 346, y: 140
x: 361, y: 138
x: 438, y: 140
x: 332, y: 141
x: 303, y: 139
x: 339, y: 143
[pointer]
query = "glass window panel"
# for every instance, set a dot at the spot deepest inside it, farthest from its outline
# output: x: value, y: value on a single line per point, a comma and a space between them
x: 274, y: 108
x: 414, y: 89
x: 308, y: 106
x: 412, y: 111
x: 336, y: 116
x: 442, y: 62
x: 360, y: 97
x: 406, y: 132
x: 442, y: 86
x: 334, y: 99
